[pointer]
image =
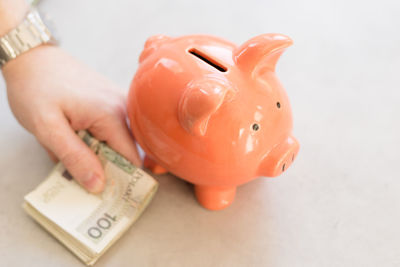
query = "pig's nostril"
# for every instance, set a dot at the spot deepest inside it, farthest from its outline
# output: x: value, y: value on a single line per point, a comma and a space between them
x: 283, y: 167
x: 255, y: 127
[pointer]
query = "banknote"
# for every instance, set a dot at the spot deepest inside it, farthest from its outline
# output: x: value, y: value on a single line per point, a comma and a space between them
x: 88, y: 224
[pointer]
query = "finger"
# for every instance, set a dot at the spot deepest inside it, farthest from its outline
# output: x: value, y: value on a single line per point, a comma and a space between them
x: 81, y: 162
x: 118, y: 136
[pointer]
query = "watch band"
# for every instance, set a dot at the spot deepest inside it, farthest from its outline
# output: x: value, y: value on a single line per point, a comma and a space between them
x: 30, y: 33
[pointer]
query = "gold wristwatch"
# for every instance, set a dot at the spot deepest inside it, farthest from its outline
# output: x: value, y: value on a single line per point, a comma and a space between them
x: 31, y: 33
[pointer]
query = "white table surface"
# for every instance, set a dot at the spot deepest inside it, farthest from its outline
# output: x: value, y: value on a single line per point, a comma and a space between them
x: 338, y: 204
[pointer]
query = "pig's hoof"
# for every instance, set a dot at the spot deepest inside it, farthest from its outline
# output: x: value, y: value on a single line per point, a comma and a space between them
x: 153, y: 166
x: 214, y: 198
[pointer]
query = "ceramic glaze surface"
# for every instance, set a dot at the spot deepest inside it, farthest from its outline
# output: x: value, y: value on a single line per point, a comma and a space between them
x: 212, y: 113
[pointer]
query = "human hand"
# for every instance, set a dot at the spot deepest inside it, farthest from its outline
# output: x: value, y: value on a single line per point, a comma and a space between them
x: 52, y: 95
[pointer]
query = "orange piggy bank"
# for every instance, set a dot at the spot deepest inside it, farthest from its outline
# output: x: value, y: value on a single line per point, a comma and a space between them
x: 212, y: 113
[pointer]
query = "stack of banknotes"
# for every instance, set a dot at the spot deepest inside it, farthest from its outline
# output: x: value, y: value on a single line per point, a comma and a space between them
x: 89, y: 224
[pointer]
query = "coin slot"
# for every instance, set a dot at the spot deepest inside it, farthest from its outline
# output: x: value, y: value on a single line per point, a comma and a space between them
x: 207, y: 60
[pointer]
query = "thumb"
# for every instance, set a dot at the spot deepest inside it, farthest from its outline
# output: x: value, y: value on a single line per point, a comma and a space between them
x: 80, y: 161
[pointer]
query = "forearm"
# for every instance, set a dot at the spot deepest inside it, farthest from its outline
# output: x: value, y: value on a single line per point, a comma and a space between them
x: 12, y: 12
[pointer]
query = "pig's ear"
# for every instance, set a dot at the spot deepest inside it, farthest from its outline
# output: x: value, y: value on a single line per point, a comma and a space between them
x: 152, y: 44
x: 262, y: 51
x: 200, y: 101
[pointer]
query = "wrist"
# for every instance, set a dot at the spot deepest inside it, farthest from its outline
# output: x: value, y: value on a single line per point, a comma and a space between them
x: 29, y: 33
x: 12, y: 13
x: 27, y: 61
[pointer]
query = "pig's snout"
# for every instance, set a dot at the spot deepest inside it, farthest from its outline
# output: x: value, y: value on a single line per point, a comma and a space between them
x: 279, y: 158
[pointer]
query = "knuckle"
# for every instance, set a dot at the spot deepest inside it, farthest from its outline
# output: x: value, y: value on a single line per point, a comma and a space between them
x: 46, y: 126
x: 114, y: 109
x: 117, y: 106
x: 120, y: 111
x: 72, y: 159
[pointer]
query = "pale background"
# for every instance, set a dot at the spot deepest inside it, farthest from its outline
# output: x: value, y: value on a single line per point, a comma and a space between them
x: 338, y: 204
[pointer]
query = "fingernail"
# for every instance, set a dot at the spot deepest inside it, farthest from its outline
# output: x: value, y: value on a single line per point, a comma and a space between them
x: 94, y: 183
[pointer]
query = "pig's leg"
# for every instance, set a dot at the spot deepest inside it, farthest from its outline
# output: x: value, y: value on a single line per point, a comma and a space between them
x: 214, y: 198
x: 153, y: 166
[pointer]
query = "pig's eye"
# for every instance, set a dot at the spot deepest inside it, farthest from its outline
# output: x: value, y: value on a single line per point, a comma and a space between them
x: 255, y: 127
x: 278, y: 104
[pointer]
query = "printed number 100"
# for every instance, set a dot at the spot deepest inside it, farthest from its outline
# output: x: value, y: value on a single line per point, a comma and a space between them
x: 103, y: 223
